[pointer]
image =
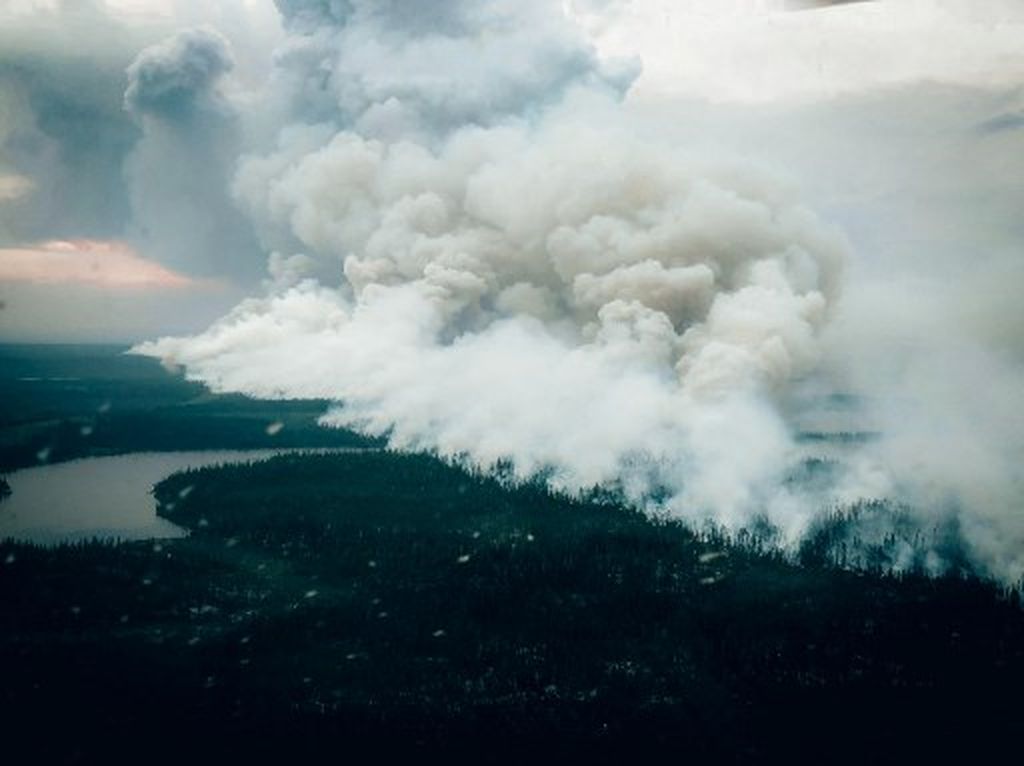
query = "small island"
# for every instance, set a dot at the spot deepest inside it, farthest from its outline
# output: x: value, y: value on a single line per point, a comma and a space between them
x: 5, y: 488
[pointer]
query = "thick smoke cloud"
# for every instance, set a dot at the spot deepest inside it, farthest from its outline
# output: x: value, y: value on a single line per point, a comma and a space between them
x: 177, y: 77
x: 179, y: 171
x: 62, y: 130
x: 519, y: 279
x: 403, y: 69
x: 478, y: 251
x: 82, y: 159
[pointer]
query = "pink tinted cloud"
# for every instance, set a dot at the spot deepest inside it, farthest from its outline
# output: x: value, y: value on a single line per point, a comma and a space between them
x: 100, y: 263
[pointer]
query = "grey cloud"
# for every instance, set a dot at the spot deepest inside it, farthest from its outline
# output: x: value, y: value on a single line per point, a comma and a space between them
x: 63, y: 129
x: 179, y: 173
x: 407, y: 16
x: 308, y: 15
x: 178, y: 75
x: 1002, y: 122
x: 439, y: 65
x: 157, y: 175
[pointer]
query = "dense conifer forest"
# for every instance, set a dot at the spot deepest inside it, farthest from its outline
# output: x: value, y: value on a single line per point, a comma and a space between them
x: 59, y: 403
x: 340, y: 605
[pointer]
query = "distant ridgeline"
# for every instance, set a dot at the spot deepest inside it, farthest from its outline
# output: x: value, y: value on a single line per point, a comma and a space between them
x: 63, y: 402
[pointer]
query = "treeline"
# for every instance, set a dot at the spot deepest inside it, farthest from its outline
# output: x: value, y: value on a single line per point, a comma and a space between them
x: 882, y: 536
x: 64, y: 402
x: 266, y: 425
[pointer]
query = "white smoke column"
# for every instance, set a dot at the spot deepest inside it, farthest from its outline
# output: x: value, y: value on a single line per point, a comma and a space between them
x: 518, y: 278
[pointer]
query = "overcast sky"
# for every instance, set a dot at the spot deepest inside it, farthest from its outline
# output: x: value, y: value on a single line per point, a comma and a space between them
x: 900, y: 120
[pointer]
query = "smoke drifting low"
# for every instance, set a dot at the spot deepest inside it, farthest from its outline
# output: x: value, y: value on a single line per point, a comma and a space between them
x: 477, y: 252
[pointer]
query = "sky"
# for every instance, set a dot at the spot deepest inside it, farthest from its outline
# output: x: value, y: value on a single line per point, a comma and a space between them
x: 930, y: 87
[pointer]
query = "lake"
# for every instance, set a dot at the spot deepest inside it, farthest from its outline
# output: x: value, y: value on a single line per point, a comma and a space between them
x: 106, y: 497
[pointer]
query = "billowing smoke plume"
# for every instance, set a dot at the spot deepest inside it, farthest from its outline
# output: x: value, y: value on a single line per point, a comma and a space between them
x: 82, y: 159
x: 179, y: 172
x: 475, y: 252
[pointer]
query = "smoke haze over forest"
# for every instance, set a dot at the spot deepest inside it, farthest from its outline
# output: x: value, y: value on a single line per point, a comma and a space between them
x: 676, y: 250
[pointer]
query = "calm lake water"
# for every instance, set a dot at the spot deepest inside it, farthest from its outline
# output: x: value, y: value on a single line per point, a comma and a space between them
x: 102, y: 496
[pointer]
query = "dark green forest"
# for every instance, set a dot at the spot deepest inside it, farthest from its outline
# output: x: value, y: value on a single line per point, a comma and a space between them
x: 343, y: 607
x: 63, y: 402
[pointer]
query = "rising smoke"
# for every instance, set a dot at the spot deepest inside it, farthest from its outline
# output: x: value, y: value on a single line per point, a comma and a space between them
x: 179, y: 172
x: 478, y: 253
